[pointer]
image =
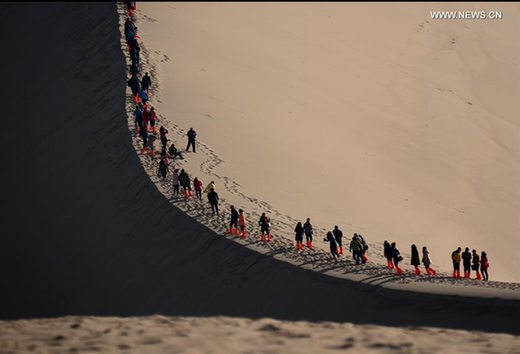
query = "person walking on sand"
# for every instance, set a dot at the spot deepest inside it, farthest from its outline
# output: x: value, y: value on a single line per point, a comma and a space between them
x: 144, y: 135
x: 242, y: 223
x: 162, y: 132
x: 466, y: 261
x: 299, y: 236
x: 176, y: 182
x: 427, y: 261
x: 151, y: 144
x: 197, y: 185
x: 307, y: 228
x: 146, y: 117
x: 234, y: 221
x: 185, y: 181
x: 338, y: 235
x: 191, y: 139
x: 165, y: 156
x: 152, y: 117
x: 133, y: 83
x: 476, y: 264
x: 209, y: 187
x: 265, y: 224
x: 333, y: 247
x: 138, y: 116
x: 356, y: 248
x: 365, y: 247
x: 163, y: 169
x: 456, y: 258
x: 146, y: 82
x: 213, y: 201
x: 396, y: 257
x: 387, y: 250
x: 484, y: 265
x: 416, y: 262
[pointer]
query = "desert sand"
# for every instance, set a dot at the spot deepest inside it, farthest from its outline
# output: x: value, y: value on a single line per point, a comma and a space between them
x: 373, y: 117
x: 92, y: 237
x: 161, y: 334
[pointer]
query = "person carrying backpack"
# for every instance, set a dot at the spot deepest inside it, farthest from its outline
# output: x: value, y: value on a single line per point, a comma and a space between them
x: 396, y: 257
x: 185, y: 181
x: 456, y: 258
x: 356, y: 247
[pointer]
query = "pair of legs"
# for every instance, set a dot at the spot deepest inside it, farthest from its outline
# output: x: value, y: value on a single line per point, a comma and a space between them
x: 485, y: 274
x: 334, y: 252
x: 198, y: 193
x: 191, y: 143
x: 175, y: 189
x: 214, y: 208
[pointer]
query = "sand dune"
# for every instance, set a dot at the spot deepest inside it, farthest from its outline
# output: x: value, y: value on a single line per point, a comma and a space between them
x: 161, y: 334
x: 373, y: 117
x: 86, y: 233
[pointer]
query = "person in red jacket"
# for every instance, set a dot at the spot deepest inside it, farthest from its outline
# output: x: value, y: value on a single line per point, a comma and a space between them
x: 476, y: 264
x: 198, y: 188
x: 146, y: 118
x: 484, y: 265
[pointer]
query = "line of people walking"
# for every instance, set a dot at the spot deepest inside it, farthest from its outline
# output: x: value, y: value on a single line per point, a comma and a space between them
x: 145, y: 116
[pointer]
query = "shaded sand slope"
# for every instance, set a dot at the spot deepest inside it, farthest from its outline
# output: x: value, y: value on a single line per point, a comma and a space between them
x: 84, y: 232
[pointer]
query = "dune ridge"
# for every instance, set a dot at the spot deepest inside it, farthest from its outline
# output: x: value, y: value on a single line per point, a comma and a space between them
x: 86, y: 233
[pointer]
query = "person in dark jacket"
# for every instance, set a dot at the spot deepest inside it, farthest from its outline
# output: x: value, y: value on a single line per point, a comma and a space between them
x: 456, y: 258
x: 163, y: 169
x: 191, y: 139
x: 466, y: 261
x: 396, y: 257
x: 333, y: 247
x: 213, y: 201
x: 146, y: 82
x: 144, y: 135
x: 476, y: 264
x: 416, y: 261
x: 338, y: 235
x: 299, y: 236
x: 174, y: 152
x: 133, y: 83
x: 265, y: 224
x: 185, y: 181
x: 484, y: 265
x: 307, y: 228
x: 387, y: 250
x: 234, y: 221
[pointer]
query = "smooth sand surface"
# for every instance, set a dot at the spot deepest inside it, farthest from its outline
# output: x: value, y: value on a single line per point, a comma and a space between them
x: 373, y: 117
x: 161, y: 334
x: 86, y: 233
